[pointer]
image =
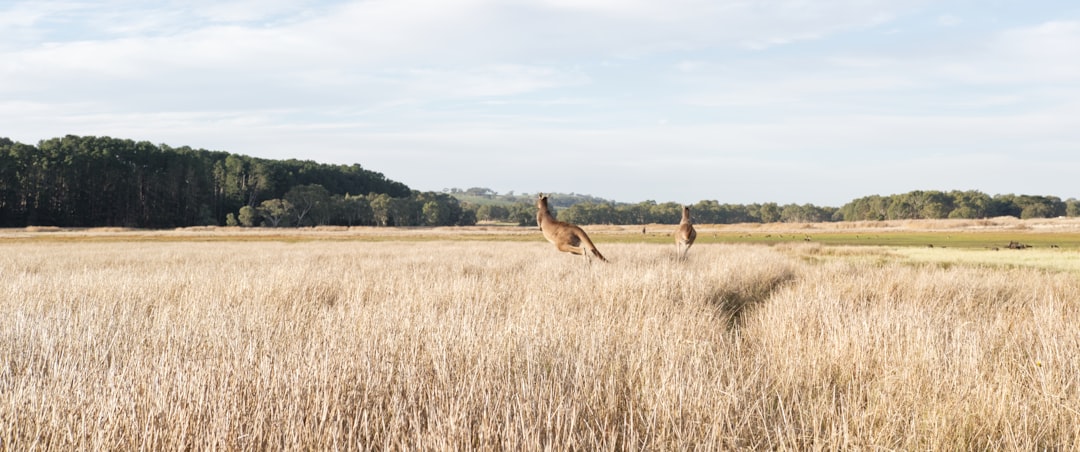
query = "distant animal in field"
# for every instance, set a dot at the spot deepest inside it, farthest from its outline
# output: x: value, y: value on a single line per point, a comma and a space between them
x: 684, y: 234
x: 567, y: 237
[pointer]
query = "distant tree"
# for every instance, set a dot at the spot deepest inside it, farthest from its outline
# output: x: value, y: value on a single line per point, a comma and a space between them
x: 738, y: 213
x: 356, y: 210
x: 491, y: 212
x: 873, y: 208
x: 1028, y: 206
x: 276, y: 212
x: 406, y: 212
x: 666, y: 213
x: 468, y: 218
x: 640, y: 213
x: 435, y: 213
x: 809, y: 213
x: 522, y: 213
x: 971, y: 204
x: 806, y: 213
x: 935, y: 205
x: 770, y: 213
x: 1041, y: 207
x: 480, y: 191
x: 576, y: 214
x: 1007, y: 205
x: 311, y: 199
x: 902, y: 207
x: 249, y: 216
x: 380, y: 209
x: 705, y: 212
x: 1072, y: 207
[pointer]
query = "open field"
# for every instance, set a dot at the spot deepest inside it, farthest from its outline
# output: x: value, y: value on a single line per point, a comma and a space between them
x: 472, y: 339
x: 980, y: 234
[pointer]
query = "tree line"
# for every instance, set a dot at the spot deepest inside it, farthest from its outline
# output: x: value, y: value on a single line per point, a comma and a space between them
x: 87, y: 181
x: 906, y: 206
x: 956, y: 204
x: 708, y: 211
x: 313, y: 205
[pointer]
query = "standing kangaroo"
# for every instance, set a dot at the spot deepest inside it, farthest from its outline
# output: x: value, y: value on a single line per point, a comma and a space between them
x: 685, y: 234
x: 566, y: 237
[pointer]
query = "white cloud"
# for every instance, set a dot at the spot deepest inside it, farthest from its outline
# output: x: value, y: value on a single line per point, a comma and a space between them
x: 231, y: 11
x: 486, y: 81
x: 725, y: 96
x: 413, y: 34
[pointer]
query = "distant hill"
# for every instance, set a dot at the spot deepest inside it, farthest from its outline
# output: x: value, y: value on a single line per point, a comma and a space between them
x: 480, y: 196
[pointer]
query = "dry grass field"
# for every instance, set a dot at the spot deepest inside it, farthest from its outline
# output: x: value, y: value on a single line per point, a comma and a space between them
x: 352, y: 344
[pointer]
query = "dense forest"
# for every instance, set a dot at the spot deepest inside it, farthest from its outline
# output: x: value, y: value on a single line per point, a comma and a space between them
x: 85, y: 181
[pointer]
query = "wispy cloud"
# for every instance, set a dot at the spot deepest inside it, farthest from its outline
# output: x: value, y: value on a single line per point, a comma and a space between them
x: 707, y: 95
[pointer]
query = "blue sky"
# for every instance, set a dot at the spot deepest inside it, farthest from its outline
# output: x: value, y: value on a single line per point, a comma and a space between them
x: 789, y: 101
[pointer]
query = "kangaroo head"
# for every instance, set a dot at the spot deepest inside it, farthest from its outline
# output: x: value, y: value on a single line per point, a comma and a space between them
x: 541, y: 210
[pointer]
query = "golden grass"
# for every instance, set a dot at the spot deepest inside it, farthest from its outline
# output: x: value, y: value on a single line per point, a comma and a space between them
x: 483, y: 345
x: 1063, y: 233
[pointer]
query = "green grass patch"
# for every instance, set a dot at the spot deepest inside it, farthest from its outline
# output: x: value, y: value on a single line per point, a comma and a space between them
x: 1045, y: 258
x: 924, y: 239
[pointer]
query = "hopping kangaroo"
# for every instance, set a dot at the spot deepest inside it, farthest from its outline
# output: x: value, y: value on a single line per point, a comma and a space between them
x: 566, y: 237
x: 685, y: 234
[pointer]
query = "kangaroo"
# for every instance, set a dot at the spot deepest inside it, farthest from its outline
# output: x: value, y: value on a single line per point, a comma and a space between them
x: 684, y: 234
x: 566, y: 237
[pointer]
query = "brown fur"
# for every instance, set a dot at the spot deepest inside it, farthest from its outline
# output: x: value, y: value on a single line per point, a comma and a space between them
x: 566, y: 237
x: 684, y: 234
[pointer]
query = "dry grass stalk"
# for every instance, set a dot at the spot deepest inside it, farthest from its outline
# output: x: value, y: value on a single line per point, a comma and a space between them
x: 504, y: 346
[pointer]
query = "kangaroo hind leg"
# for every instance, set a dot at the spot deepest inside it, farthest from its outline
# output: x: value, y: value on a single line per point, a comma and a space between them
x: 568, y: 248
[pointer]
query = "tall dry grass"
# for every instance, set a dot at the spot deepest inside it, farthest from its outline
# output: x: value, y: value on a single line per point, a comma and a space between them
x: 513, y: 346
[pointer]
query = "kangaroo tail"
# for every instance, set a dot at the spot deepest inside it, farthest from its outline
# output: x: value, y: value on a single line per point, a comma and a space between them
x: 596, y: 252
x: 589, y: 247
